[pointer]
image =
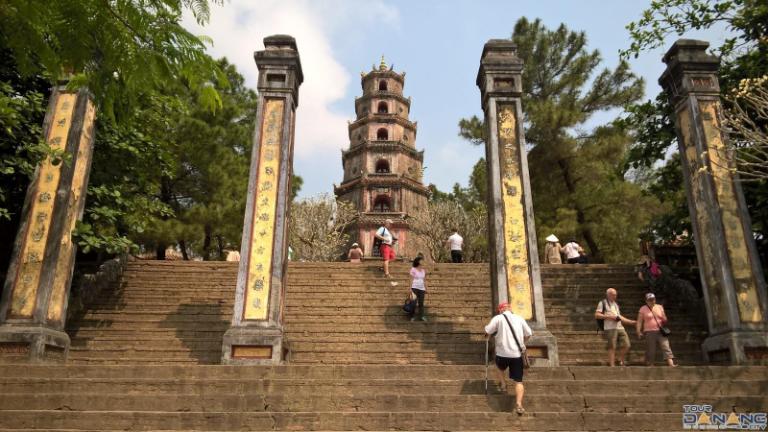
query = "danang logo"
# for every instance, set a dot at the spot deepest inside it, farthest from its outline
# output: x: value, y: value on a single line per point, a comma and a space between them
x: 701, y: 417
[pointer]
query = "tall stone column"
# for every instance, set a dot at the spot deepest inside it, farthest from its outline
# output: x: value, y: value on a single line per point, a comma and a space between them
x: 734, y: 286
x: 36, y: 291
x: 256, y: 333
x: 515, y: 273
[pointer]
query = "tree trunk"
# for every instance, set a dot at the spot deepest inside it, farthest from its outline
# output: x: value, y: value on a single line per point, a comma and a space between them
x: 220, y: 245
x: 207, y: 243
x: 160, y: 251
x: 183, y: 247
x: 581, y: 218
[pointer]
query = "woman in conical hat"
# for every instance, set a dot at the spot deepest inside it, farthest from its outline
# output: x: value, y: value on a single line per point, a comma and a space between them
x: 552, y: 250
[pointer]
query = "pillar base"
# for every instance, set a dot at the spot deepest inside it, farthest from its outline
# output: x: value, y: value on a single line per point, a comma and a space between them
x: 32, y: 344
x: 542, y: 349
x: 737, y: 347
x: 252, y: 346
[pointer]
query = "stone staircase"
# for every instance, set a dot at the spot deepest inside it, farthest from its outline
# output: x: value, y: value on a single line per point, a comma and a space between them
x: 177, y: 312
x: 142, y: 359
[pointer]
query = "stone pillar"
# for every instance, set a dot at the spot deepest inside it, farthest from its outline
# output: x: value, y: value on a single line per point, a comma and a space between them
x: 256, y: 333
x: 515, y: 273
x: 34, y: 304
x: 734, y: 286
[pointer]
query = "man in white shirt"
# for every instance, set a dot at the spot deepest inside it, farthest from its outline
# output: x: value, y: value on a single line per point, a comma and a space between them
x: 511, y: 332
x: 455, y: 242
x: 573, y: 253
x: 613, y: 328
x: 387, y: 253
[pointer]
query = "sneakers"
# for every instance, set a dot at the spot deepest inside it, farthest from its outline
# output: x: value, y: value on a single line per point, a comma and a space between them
x: 423, y: 319
x: 519, y: 410
x: 413, y: 319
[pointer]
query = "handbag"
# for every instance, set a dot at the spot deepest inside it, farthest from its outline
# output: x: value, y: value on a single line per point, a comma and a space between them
x: 665, y: 331
x: 410, y: 304
x: 523, y: 352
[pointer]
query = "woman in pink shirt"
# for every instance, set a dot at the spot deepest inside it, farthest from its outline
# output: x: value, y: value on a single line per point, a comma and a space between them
x: 418, y: 287
x: 650, y: 318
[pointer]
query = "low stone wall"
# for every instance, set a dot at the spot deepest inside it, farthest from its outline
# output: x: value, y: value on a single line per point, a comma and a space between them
x: 88, y: 286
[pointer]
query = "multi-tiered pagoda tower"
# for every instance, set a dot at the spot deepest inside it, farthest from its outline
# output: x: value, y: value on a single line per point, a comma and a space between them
x: 382, y: 168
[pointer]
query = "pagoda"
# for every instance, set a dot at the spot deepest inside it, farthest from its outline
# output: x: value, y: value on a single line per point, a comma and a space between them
x: 382, y: 169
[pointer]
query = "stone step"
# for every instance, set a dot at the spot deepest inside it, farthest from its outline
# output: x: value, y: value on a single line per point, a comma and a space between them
x: 371, y: 387
x: 228, y: 421
x: 494, y: 402
x: 289, y: 371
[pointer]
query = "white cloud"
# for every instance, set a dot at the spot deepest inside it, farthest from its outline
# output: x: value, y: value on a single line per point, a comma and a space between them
x: 239, y: 27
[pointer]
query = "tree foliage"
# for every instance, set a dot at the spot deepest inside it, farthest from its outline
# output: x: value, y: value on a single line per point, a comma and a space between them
x: 744, y: 61
x: 318, y: 228
x: 433, y: 224
x: 577, y: 175
x: 118, y: 49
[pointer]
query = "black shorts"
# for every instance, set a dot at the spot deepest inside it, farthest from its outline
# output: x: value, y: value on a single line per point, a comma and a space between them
x: 515, y: 366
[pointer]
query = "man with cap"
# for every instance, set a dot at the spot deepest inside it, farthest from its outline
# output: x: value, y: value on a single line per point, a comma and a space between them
x: 650, y: 319
x: 553, y: 250
x: 511, y: 333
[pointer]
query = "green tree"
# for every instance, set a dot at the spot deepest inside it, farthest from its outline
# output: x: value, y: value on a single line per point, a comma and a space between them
x: 744, y: 61
x: 577, y: 176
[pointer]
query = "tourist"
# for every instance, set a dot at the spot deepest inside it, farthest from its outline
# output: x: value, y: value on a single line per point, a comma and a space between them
x: 613, y: 329
x: 649, y: 271
x: 355, y: 254
x: 650, y: 321
x: 509, y: 329
x: 574, y: 253
x: 232, y: 255
x: 455, y: 242
x: 418, y: 288
x: 553, y: 250
x: 387, y: 239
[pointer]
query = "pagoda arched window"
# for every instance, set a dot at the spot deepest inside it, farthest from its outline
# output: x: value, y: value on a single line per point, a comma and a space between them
x: 382, y: 204
x: 382, y: 134
x: 382, y: 166
x: 382, y: 85
x: 382, y: 108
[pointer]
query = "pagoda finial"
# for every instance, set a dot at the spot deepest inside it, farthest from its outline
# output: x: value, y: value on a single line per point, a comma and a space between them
x: 383, y: 64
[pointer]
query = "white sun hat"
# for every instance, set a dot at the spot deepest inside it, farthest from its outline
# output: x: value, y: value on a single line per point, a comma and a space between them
x: 552, y: 238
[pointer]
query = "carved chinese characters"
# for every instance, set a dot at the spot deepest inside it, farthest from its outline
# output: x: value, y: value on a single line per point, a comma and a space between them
x: 82, y: 162
x: 515, y: 240
x: 33, y: 247
x: 262, y: 236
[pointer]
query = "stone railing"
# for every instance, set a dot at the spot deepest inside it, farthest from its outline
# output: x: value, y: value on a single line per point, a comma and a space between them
x: 88, y: 286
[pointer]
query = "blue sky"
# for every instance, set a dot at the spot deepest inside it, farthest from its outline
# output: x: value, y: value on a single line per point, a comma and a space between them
x: 437, y: 43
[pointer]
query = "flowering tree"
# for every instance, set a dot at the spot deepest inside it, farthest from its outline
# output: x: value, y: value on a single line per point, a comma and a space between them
x: 317, y: 228
x: 434, y: 224
x: 746, y: 121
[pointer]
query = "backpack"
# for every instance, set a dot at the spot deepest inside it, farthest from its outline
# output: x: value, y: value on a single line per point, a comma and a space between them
x: 601, y: 323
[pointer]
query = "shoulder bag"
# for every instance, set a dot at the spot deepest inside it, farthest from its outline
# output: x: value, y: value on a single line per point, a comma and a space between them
x: 665, y: 331
x: 523, y: 353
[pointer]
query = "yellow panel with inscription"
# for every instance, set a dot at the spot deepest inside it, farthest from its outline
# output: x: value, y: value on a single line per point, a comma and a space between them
x: 515, y: 237
x: 33, y: 247
x: 258, y: 282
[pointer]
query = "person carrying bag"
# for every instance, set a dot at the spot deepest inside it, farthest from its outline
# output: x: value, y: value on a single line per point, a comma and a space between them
x: 508, y: 328
x: 651, y: 319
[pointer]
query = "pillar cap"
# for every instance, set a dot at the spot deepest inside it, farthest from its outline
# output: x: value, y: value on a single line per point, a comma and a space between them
x: 500, y: 70
x: 280, y: 50
x: 690, y: 68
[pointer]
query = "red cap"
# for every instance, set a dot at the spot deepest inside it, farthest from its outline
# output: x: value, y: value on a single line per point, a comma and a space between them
x: 502, y: 307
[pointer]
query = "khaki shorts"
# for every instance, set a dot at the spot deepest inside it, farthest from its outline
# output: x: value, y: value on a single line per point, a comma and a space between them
x: 614, y: 336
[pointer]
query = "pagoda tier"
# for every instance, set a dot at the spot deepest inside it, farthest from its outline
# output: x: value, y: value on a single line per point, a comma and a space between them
x: 382, y: 169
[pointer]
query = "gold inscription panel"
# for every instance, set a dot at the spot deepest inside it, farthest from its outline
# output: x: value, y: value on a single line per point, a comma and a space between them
x: 259, y: 281
x: 733, y: 228
x: 703, y: 222
x: 33, y: 247
x: 57, y: 301
x: 246, y: 351
x: 515, y: 237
